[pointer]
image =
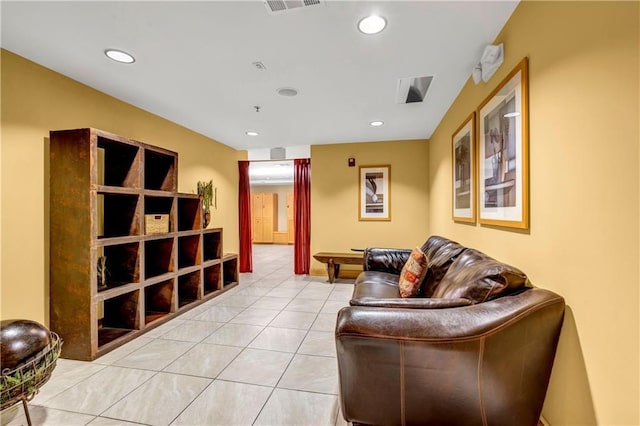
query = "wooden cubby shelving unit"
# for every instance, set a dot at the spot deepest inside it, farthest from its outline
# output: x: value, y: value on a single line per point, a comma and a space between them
x: 102, y: 185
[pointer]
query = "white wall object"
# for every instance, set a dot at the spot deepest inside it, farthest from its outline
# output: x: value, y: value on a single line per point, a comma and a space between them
x: 491, y: 60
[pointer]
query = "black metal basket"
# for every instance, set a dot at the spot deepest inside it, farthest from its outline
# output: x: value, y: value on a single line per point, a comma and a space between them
x: 22, y: 383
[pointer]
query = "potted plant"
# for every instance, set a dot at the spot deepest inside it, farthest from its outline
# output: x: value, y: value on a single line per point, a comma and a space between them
x: 205, y: 190
x: 103, y: 272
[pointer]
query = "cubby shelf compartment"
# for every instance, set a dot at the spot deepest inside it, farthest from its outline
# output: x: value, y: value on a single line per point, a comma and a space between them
x: 212, y: 278
x: 160, y: 205
x: 159, y: 170
x: 189, y: 212
x: 121, y: 317
x: 119, y: 215
x: 189, y: 251
x: 212, y: 244
x: 229, y: 270
x: 189, y: 288
x: 122, y: 263
x: 158, y: 257
x: 158, y: 300
x: 118, y: 163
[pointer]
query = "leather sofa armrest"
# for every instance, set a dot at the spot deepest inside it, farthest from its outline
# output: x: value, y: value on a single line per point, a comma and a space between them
x: 460, y: 357
x: 389, y: 260
x: 454, y: 323
x: 410, y: 303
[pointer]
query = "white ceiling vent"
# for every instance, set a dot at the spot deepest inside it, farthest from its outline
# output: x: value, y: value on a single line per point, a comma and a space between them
x: 413, y: 89
x: 279, y: 6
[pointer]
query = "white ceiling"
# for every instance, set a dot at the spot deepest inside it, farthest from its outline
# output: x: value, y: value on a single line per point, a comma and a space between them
x: 194, y: 62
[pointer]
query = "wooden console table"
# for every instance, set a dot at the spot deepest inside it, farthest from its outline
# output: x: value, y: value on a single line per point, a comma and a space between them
x: 334, y: 260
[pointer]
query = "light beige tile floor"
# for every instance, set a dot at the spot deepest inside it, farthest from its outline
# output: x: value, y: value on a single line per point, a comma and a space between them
x: 262, y: 353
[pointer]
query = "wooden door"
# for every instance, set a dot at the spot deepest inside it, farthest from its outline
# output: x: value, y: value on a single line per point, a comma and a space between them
x: 290, y: 222
x: 264, y: 213
x: 257, y: 229
x: 269, y: 216
x: 256, y: 215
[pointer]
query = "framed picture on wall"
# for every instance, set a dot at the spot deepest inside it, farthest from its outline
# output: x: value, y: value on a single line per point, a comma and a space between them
x: 374, y: 197
x: 463, y: 145
x: 503, y: 153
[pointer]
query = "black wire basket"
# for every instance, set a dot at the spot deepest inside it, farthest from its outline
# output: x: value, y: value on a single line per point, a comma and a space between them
x: 22, y: 383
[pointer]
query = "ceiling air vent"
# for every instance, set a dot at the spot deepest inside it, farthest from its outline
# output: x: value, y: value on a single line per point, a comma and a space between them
x: 279, y: 6
x: 413, y: 89
x: 278, y: 154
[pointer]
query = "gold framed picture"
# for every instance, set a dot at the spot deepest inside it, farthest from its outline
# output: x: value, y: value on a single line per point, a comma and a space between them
x: 374, y: 195
x: 463, y: 146
x: 503, y: 153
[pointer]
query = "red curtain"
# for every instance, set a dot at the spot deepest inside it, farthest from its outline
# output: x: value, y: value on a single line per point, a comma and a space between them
x: 244, y: 209
x: 302, y: 215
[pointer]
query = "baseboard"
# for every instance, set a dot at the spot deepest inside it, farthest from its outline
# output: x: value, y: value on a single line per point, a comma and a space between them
x: 544, y: 422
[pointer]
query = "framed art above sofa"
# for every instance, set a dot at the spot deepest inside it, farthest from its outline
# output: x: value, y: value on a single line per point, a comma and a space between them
x: 503, y: 153
x: 463, y: 144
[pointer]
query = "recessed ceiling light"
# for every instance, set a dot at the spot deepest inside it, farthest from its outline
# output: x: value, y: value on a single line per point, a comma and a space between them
x: 376, y: 123
x: 119, y: 56
x: 287, y: 91
x: 250, y: 133
x: 372, y: 24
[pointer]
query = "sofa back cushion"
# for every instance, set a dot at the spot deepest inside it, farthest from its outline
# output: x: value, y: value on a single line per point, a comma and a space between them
x: 475, y: 276
x: 380, y: 259
x: 440, y: 254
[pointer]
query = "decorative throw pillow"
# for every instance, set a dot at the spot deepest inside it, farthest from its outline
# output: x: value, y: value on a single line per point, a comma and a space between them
x: 413, y: 273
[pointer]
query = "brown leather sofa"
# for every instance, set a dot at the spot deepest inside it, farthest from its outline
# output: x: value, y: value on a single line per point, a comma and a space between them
x: 476, y: 348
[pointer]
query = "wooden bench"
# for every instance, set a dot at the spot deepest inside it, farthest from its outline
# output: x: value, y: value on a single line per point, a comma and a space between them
x: 334, y: 260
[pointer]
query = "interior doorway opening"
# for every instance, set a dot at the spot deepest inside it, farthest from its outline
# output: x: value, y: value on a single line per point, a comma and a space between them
x: 272, y: 205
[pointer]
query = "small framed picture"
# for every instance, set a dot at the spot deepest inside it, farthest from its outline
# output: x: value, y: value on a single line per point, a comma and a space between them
x: 503, y: 153
x: 374, y: 193
x: 463, y: 144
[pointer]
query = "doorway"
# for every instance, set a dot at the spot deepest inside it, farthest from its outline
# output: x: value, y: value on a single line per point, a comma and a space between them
x: 272, y: 207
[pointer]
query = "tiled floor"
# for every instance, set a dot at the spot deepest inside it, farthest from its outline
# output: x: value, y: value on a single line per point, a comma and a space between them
x: 262, y: 353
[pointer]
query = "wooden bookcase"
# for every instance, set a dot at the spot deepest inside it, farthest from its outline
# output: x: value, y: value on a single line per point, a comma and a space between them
x: 101, y: 187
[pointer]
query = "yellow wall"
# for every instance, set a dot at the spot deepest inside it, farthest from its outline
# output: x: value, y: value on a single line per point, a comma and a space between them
x: 584, y: 186
x: 334, y: 197
x: 36, y: 100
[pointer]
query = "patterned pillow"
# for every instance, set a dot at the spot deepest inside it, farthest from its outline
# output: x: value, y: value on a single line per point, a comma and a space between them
x: 413, y: 273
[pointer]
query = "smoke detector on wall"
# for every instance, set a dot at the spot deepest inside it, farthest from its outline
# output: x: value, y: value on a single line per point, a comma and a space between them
x: 279, y: 6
